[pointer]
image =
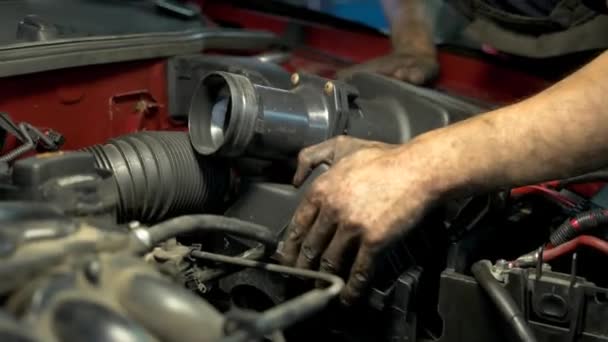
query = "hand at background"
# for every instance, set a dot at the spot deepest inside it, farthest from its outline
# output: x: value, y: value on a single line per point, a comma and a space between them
x: 418, y: 69
x: 414, y: 56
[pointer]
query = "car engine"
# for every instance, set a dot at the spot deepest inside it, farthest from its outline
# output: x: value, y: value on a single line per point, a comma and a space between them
x: 169, y: 234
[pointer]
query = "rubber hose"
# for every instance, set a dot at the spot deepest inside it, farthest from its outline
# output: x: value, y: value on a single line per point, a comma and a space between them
x: 579, y: 224
x: 159, y: 175
x: 212, y: 223
x: 597, y: 176
x: 503, y: 301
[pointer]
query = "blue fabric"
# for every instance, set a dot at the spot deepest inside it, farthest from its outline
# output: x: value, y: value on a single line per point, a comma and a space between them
x: 368, y: 12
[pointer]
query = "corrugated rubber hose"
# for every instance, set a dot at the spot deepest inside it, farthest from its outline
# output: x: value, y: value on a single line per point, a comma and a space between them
x: 159, y: 175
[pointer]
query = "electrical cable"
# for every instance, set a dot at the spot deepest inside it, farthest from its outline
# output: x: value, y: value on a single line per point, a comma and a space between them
x: 542, y: 190
x: 597, y: 176
x: 503, y: 301
x: 207, y: 224
x: 28, y: 145
x: 579, y: 224
x: 572, y: 245
x: 288, y: 313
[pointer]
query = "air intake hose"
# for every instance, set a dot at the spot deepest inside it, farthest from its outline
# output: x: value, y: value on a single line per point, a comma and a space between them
x: 159, y: 175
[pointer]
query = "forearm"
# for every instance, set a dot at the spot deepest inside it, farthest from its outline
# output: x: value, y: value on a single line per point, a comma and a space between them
x: 561, y: 132
x: 411, y: 27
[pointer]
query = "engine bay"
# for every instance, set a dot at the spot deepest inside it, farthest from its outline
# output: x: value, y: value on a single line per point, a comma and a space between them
x: 168, y: 230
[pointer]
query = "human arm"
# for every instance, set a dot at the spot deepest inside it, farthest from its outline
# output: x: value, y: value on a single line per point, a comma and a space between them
x: 377, y: 193
x: 414, y: 57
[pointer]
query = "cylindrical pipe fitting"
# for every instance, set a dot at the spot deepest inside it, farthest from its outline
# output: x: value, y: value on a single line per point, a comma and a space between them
x: 231, y: 116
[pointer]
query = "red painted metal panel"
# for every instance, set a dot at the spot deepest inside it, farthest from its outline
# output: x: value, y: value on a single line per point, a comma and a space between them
x: 91, y: 104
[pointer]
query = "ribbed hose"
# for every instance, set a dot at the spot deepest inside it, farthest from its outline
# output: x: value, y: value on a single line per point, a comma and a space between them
x: 578, y: 225
x: 159, y: 175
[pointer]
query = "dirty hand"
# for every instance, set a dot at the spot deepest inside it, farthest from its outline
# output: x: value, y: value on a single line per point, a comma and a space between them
x: 330, y: 152
x: 371, y: 196
x: 418, y: 69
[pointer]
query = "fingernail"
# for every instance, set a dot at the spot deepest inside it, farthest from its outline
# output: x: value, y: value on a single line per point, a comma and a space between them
x: 278, y: 253
x: 360, y: 277
x: 345, y: 302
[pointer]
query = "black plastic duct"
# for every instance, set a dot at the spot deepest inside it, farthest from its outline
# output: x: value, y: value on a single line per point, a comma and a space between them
x: 159, y: 175
x: 233, y: 115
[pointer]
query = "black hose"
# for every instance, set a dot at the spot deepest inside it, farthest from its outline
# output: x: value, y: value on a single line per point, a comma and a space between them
x: 159, y: 175
x: 207, y: 224
x: 503, y: 301
x: 597, y: 176
x: 288, y: 313
x: 578, y: 225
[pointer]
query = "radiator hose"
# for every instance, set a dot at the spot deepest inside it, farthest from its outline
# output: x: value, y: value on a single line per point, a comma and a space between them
x: 159, y: 175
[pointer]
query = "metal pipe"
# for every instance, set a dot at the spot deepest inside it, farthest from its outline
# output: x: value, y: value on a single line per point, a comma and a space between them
x: 288, y: 313
x: 150, y: 237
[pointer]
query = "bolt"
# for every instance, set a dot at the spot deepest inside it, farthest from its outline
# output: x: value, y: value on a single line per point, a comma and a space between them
x: 295, y: 79
x: 329, y: 88
x: 145, y: 107
x: 92, y: 270
x: 134, y: 225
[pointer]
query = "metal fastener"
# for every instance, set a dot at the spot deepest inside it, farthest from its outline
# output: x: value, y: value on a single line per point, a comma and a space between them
x: 329, y: 88
x: 295, y: 79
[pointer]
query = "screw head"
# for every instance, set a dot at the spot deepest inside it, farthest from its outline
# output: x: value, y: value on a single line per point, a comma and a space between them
x: 92, y: 271
x: 295, y: 78
x: 329, y: 88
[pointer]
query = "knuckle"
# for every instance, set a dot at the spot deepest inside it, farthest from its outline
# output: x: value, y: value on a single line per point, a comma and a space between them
x: 359, y: 279
x: 295, y: 233
x: 303, y: 157
x: 330, y: 211
x: 299, y: 218
x: 373, y: 240
x: 351, y: 228
x: 341, y: 139
x: 353, y: 222
x: 319, y: 188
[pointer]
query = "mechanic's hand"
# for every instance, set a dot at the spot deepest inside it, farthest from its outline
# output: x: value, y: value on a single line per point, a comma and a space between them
x: 418, y: 69
x: 330, y: 152
x: 366, y: 200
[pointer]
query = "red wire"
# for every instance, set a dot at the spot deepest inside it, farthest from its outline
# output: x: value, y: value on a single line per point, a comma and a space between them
x: 572, y: 245
x: 541, y: 189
